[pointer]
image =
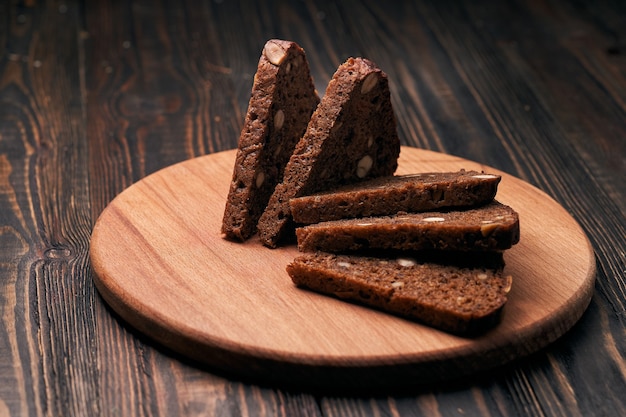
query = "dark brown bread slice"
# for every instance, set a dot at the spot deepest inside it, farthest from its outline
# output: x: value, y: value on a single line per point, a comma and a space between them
x: 351, y: 137
x: 487, y: 228
x: 390, y: 195
x: 464, y: 299
x: 282, y: 100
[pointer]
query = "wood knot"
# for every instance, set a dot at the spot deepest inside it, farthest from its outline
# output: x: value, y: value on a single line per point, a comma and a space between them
x: 59, y: 252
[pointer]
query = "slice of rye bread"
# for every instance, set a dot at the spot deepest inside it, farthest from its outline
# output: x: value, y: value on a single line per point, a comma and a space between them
x: 282, y: 100
x: 352, y: 136
x: 403, y: 193
x: 465, y: 296
x: 494, y: 226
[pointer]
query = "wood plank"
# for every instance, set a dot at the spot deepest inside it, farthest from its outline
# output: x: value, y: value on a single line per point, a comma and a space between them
x: 149, y: 92
x: 46, y: 347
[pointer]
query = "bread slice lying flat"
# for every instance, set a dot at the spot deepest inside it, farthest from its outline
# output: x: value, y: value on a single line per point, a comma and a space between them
x: 459, y: 294
x: 351, y: 137
x: 282, y: 100
x: 398, y: 193
x: 494, y: 226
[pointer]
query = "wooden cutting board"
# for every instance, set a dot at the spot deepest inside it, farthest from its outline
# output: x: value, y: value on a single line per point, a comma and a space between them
x: 161, y: 263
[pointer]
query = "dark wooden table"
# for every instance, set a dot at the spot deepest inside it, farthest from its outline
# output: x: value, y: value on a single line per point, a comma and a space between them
x: 96, y: 95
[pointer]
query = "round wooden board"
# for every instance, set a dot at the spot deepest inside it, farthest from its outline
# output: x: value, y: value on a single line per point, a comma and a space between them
x: 161, y: 263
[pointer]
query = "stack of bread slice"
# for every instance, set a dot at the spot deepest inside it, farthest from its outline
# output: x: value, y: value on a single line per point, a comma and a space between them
x: 444, y: 268
x: 428, y: 246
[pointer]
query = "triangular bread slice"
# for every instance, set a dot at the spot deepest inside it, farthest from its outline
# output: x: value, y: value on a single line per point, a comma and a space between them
x: 464, y: 297
x: 352, y: 136
x: 282, y: 100
x: 488, y: 228
x: 397, y: 193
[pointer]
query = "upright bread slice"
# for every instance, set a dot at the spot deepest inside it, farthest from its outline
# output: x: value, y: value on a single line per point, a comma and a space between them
x: 465, y: 297
x: 282, y: 100
x: 390, y: 195
x: 351, y: 136
x: 487, y: 228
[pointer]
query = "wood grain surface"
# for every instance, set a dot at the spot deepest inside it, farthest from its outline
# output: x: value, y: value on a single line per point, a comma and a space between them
x: 161, y: 262
x: 97, y: 95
